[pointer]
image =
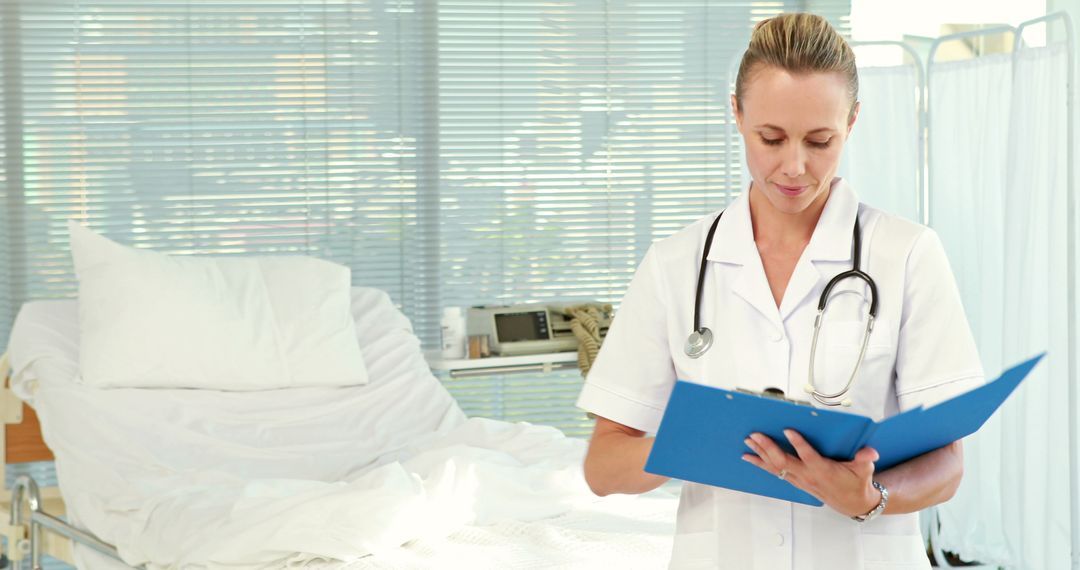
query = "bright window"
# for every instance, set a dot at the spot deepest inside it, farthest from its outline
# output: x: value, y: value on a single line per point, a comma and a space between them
x: 451, y: 153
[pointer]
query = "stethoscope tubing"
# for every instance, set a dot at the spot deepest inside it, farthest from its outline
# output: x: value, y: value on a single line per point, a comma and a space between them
x: 700, y: 340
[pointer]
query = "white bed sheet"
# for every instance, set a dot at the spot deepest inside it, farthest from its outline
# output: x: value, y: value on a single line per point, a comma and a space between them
x: 205, y: 479
x: 620, y: 532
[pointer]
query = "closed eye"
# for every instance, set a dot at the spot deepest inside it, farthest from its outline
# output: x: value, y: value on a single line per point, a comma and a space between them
x: 815, y: 144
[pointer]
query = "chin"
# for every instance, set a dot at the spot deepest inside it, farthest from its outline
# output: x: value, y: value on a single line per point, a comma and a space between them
x: 788, y: 205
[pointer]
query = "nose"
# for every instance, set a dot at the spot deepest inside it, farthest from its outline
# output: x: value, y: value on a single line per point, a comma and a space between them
x: 794, y: 161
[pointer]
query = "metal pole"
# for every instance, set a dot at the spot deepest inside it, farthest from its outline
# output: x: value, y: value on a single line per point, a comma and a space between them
x: 25, y: 490
x: 44, y: 520
x: 546, y: 367
x: 920, y: 112
x: 1074, y: 376
x: 930, y: 62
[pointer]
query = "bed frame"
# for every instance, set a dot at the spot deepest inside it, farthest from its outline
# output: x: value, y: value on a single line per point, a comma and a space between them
x: 31, y: 509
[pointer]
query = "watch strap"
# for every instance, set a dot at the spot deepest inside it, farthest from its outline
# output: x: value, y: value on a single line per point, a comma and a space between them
x: 880, y: 506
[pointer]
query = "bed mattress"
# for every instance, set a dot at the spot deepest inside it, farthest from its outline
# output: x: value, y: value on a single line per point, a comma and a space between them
x: 386, y: 475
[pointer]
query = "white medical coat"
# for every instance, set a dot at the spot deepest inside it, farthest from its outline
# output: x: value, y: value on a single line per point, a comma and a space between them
x: 921, y: 352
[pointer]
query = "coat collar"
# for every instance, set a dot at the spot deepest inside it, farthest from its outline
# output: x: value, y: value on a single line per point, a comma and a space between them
x: 831, y: 241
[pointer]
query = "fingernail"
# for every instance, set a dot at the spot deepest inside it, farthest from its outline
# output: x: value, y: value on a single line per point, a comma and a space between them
x: 748, y: 441
x: 787, y: 433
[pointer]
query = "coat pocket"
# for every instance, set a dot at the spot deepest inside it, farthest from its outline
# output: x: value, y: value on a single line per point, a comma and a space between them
x: 838, y: 353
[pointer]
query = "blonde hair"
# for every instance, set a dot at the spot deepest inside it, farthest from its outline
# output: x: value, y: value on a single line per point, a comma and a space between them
x: 798, y: 44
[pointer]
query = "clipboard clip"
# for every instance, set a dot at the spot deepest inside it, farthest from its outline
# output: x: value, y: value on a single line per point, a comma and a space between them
x: 774, y: 393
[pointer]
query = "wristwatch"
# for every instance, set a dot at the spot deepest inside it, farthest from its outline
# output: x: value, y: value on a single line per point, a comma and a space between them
x: 879, y: 508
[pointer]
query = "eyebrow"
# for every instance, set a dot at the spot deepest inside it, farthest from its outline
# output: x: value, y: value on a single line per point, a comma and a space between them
x: 776, y: 128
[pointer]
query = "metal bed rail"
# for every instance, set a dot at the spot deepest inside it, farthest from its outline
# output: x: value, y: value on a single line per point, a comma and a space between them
x: 25, y: 493
x: 24, y: 532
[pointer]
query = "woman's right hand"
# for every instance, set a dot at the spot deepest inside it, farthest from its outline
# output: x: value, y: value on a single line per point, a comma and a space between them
x: 615, y: 462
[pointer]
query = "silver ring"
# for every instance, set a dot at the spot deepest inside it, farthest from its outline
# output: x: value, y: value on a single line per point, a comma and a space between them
x: 782, y: 474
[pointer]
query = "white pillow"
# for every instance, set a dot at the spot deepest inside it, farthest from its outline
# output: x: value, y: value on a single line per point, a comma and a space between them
x: 150, y: 320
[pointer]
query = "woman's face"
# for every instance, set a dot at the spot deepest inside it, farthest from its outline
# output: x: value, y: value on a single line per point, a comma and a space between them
x: 794, y: 128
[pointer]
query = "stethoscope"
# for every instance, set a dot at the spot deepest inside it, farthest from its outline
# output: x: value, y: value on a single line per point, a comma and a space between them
x: 702, y: 338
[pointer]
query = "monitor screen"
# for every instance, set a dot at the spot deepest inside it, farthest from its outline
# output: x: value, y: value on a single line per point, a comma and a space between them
x: 515, y: 327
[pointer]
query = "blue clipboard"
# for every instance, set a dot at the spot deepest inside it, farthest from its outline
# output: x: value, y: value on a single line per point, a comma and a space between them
x: 701, y: 434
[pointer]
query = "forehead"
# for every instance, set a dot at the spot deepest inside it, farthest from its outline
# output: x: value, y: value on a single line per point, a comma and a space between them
x: 796, y: 102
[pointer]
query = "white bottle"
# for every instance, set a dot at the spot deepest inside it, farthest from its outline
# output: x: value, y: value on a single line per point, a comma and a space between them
x: 453, y: 333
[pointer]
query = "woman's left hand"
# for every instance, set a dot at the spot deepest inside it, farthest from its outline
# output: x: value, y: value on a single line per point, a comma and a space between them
x: 846, y: 486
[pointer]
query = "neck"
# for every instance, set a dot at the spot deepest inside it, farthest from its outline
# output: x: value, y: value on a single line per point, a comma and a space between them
x: 774, y: 229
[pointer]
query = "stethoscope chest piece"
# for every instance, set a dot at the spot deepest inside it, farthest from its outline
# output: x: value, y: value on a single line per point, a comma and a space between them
x: 699, y: 342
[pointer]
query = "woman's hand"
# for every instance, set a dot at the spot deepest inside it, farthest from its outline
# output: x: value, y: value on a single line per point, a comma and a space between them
x: 843, y: 485
x: 616, y: 459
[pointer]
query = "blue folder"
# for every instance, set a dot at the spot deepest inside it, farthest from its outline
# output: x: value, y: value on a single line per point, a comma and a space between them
x: 701, y: 434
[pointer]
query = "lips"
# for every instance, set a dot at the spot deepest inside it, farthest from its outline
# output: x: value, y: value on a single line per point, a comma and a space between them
x: 790, y: 190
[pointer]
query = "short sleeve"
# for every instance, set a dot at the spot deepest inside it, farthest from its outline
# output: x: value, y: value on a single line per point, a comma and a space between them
x: 936, y: 356
x: 632, y: 377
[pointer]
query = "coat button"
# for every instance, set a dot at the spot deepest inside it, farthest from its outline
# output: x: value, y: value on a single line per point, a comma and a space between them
x: 778, y: 335
x: 779, y: 539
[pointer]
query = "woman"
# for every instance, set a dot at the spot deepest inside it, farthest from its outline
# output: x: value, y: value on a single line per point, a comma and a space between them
x: 775, y: 248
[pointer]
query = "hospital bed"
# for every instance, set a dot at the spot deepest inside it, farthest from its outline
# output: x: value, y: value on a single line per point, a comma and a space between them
x: 28, y: 509
x: 403, y: 404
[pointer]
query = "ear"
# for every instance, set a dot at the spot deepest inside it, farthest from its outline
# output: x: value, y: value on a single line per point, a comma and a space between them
x: 854, y: 115
x: 736, y: 111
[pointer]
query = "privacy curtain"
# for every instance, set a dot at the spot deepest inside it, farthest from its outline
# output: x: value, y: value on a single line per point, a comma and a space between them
x: 881, y: 159
x: 997, y: 136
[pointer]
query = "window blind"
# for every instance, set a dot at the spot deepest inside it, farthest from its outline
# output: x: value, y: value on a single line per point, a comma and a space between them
x: 451, y: 153
x: 572, y: 135
x: 206, y: 127
x: 10, y: 214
